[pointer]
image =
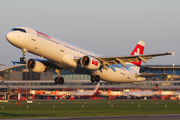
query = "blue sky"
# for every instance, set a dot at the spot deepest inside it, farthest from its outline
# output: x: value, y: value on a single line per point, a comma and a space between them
x: 107, y: 27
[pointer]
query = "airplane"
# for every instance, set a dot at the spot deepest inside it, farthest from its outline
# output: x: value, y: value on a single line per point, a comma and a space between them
x: 111, y: 94
x: 60, y: 55
x: 143, y: 94
x: 177, y: 93
x: 87, y: 93
x: 1, y: 65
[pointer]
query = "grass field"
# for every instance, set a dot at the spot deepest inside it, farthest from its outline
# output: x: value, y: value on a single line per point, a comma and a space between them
x: 69, y: 108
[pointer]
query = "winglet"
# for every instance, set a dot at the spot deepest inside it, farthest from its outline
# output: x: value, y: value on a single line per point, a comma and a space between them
x: 173, y: 54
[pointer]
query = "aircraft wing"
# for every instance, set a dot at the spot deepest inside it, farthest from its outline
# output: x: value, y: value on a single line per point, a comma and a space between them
x: 107, y: 61
x: 48, y: 63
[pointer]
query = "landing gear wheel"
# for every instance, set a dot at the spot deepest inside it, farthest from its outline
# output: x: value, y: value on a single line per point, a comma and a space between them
x: 57, y: 80
x: 22, y: 59
x: 24, y: 51
x: 97, y: 78
x: 92, y: 78
x: 61, y: 80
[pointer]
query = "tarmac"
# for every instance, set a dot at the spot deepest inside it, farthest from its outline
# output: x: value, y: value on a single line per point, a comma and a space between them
x: 138, y: 117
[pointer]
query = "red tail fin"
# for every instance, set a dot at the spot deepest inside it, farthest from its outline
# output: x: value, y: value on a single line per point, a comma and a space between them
x: 138, y: 50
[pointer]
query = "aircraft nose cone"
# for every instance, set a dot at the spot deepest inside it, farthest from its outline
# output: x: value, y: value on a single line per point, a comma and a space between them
x: 9, y: 36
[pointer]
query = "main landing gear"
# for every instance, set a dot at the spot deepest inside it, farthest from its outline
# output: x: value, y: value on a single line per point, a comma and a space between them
x: 59, y: 79
x: 95, y: 78
x: 24, y: 51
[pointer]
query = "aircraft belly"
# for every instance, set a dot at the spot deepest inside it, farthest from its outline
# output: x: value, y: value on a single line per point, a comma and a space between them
x: 116, y: 74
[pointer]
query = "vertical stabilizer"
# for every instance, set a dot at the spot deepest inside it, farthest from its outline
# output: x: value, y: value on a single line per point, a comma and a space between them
x: 138, y: 50
x: 96, y: 90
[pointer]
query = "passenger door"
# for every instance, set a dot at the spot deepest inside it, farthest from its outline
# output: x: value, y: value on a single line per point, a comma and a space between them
x: 34, y: 39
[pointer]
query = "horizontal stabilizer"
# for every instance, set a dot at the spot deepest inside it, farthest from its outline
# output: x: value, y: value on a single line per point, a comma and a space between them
x: 150, y: 74
x: 18, y: 62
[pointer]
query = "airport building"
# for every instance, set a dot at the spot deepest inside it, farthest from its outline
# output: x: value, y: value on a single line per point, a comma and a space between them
x: 21, y: 73
x: 15, y: 76
x: 172, y: 70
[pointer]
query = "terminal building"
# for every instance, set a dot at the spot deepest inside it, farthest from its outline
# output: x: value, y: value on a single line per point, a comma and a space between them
x: 172, y: 70
x: 12, y: 77
x: 21, y: 73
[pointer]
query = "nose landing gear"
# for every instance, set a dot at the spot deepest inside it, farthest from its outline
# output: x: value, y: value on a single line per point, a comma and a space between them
x: 24, y: 51
x: 22, y: 59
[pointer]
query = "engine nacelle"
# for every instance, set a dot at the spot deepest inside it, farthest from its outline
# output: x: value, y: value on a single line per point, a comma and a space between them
x: 90, y: 63
x: 35, y: 66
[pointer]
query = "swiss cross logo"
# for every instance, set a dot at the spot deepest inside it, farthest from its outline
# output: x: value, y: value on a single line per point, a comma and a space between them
x: 94, y: 62
x: 138, y: 50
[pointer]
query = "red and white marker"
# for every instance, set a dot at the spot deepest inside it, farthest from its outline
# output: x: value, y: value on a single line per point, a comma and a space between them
x: 56, y: 95
x: 19, y: 96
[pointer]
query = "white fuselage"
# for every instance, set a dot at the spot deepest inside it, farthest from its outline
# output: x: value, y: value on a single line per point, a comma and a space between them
x: 63, y: 53
x: 83, y: 93
x: 142, y: 93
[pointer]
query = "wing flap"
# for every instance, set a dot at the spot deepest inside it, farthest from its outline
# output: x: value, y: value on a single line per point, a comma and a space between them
x: 107, y: 61
x: 134, y: 57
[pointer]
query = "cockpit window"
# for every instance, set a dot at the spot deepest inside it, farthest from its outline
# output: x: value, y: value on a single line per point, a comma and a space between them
x: 19, y: 29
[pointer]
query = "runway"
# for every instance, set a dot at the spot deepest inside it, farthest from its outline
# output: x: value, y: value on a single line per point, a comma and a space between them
x: 138, y: 117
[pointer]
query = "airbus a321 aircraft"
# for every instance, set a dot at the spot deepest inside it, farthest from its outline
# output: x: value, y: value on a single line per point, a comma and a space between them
x: 60, y: 55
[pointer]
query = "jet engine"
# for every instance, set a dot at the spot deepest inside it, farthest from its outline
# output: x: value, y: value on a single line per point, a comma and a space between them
x: 90, y: 63
x: 35, y: 66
